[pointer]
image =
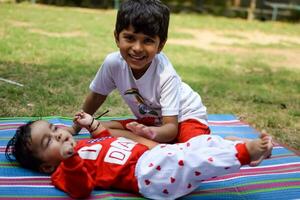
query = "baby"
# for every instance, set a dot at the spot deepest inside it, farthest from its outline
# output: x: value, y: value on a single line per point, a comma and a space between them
x: 134, y: 164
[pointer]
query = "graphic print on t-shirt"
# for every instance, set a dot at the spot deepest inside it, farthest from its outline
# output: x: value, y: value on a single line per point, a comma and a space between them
x: 143, y: 107
x: 90, y: 152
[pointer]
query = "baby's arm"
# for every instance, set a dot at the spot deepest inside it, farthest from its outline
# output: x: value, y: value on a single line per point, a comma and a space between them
x: 165, y: 133
x: 95, y: 127
x: 73, y: 177
x: 92, y: 102
x: 87, y: 121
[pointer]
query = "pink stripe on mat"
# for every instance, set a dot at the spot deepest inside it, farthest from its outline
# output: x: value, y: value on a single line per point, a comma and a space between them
x: 255, y: 186
x: 293, y: 168
x: 226, y: 123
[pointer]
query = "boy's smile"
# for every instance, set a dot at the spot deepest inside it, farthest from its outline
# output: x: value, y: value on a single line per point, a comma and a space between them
x: 138, y: 49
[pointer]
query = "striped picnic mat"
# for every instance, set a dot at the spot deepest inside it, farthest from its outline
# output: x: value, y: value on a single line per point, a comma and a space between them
x: 276, y: 178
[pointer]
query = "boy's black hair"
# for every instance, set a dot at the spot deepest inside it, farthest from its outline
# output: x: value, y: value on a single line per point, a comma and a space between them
x: 18, y: 147
x: 150, y: 17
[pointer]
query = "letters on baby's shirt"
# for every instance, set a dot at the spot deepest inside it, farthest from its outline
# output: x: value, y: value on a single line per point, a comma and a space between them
x: 118, y: 152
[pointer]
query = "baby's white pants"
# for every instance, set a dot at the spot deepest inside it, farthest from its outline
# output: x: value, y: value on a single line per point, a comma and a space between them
x: 169, y: 171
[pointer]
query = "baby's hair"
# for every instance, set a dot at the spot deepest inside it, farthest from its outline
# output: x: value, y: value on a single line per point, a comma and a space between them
x: 17, y: 148
x: 150, y: 17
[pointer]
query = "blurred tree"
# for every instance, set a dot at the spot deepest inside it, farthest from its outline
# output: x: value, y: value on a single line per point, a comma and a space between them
x: 237, y: 3
x: 251, y: 10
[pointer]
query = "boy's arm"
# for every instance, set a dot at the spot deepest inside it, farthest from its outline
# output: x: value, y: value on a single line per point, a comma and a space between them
x: 121, y: 133
x: 129, y: 135
x: 168, y: 131
x: 92, y: 102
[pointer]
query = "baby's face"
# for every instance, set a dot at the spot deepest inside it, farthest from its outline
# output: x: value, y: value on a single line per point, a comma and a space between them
x: 48, y: 140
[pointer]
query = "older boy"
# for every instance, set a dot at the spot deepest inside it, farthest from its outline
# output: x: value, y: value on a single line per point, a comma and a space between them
x: 167, y: 109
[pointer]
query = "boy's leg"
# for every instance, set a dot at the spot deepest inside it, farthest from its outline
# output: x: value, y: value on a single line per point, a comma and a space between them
x: 122, y: 124
x: 191, y: 128
x: 234, y: 138
x: 116, y: 124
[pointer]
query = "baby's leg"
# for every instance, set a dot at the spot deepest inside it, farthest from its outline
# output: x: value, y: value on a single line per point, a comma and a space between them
x: 141, y: 129
x: 259, y: 149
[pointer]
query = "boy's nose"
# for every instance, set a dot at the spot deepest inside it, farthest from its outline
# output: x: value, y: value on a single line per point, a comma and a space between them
x: 137, y: 46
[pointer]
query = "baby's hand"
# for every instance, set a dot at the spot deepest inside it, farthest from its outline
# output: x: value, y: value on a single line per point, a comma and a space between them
x: 67, y: 150
x: 83, y: 119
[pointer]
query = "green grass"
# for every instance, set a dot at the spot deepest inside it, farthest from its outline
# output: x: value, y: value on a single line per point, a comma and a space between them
x: 56, y: 51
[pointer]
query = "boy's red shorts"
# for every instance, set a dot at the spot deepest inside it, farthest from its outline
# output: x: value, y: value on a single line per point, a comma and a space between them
x: 191, y: 128
x: 186, y: 129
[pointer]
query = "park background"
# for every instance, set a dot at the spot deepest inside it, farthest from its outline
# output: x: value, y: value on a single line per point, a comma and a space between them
x: 240, y: 63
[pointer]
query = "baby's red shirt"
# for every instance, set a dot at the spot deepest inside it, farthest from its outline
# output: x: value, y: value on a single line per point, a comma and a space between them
x: 102, y: 162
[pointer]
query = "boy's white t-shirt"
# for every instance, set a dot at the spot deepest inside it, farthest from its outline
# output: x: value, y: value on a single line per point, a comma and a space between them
x: 159, y: 92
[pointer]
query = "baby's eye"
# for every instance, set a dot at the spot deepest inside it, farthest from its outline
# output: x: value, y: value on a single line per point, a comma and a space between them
x: 54, y: 128
x: 49, y: 141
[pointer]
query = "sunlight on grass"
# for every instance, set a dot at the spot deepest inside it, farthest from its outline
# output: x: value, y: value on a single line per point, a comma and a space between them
x: 56, y: 51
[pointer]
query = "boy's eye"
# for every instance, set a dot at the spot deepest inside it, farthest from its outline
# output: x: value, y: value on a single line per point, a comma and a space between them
x: 149, y: 41
x: 129, y: 38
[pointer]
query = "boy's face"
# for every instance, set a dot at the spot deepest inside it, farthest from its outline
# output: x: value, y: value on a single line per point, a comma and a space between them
x: 47, y: 142
x: 138, y: 49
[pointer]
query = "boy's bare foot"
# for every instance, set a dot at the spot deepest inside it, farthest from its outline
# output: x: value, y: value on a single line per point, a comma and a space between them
x: 234, y: 138
x: 259, y: 149
x: 141, y: 129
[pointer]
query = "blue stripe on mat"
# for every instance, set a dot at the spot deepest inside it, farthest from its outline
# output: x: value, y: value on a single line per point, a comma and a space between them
x: 276, y: 178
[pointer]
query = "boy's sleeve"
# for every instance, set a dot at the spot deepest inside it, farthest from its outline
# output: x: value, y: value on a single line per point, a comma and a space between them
x: 170, y: 97
x: 103, y: 82
x: 73, y: 178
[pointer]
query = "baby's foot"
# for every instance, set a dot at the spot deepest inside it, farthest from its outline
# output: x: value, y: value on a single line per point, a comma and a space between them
x: 141, y: 129
x: 259, y: 149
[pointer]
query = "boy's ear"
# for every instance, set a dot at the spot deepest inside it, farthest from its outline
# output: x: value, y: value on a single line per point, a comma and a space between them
x: 161, y: 46
x: 47, y: 168
x: 116, y: 38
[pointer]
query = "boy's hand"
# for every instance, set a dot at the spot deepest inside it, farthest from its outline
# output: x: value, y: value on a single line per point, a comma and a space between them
x: 67, y: 150
x: 141, y: 129
x: 83, y: 119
